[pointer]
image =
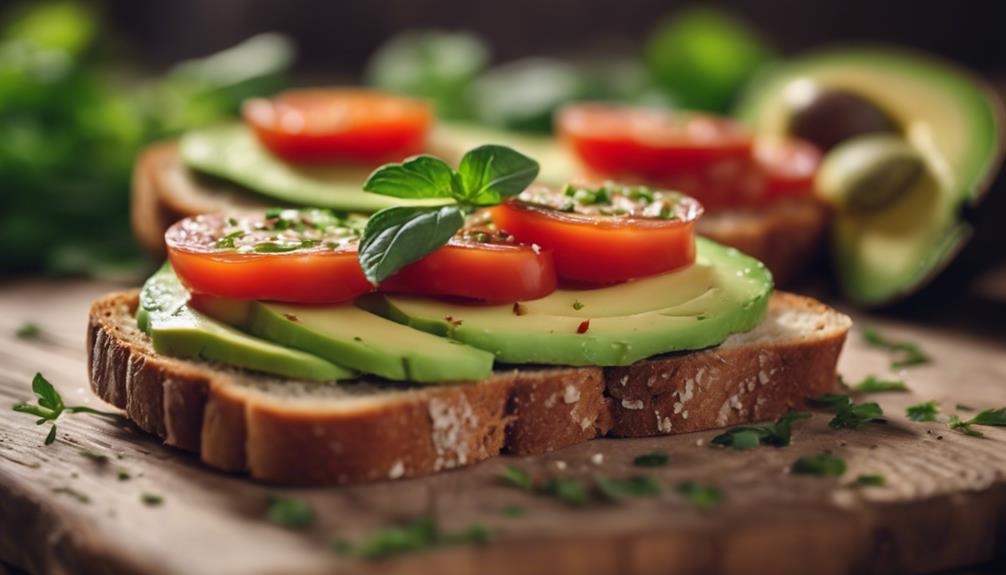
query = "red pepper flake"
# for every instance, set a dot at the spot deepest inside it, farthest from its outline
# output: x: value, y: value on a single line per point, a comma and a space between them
x: 583, y: 327
x: 291, y: 317
x: 454, y: 322
x: 519, y: 309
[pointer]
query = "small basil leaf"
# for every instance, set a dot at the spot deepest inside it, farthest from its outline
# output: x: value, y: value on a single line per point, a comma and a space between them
x: 418, y: 177
x: 491, y: 173
x: 396, y: 237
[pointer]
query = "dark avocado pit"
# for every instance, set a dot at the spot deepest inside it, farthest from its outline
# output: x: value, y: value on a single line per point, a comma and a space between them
x: 890, y: 245
x: 826, y: 117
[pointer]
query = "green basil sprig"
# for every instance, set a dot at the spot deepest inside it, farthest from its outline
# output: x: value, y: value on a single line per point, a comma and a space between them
x: 395, y: 237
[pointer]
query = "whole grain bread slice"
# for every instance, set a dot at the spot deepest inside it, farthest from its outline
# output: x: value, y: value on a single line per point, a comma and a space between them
x: 293, y: 432
x: 785, y: 235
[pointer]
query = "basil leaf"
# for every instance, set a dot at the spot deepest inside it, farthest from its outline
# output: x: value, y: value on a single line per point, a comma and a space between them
x: 396, y: 237
x: 418, y: 177
x: 491, y: 173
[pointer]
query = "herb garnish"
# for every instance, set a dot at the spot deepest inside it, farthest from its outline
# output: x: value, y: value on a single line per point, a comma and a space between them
x: 873, y: 384
x: 704, y: 497
x: 122, y: 475
x: 869, y: 481
x: 577, y: 492
x: 619, y: 489
x: 926, y: 411
x: 577, y: 305
x: 655, y: 459
x: 81, y: 497
x: 152, y: 499
x: 517, y: 477
x: 568, y: 490
x: 823, y: 464
x: 776, y: 434
x: 50, y: 406
x: 993, y: 417
x: 848, y: 415
x: 420, y: 534
x: 905, y: 353
x: 98, y: 458
x: 397, y: 236
x: 291, y: 513
x: 28, y: 330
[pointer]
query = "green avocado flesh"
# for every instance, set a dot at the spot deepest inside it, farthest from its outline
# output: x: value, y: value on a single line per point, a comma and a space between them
x: 179, y: 331
x: 947, y: 116
x: 357, y: 339
x: 724, y: 292
x: 232, y: 153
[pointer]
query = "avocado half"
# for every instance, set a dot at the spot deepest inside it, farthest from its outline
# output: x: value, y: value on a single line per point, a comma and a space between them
x: 949, y: 116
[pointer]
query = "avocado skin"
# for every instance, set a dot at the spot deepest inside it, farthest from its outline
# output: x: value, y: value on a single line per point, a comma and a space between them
x: 177, y: 330
x: 547, y: 331
x: 952, y: 119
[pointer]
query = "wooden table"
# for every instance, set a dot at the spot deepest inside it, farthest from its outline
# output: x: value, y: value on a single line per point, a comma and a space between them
x: 944, y: 505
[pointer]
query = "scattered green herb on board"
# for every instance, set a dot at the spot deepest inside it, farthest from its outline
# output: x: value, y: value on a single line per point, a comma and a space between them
x: 873, y: 384
x: 905, y: 353
x: 420, y: 534
x: 992, y: 417
x: 288, y: 512
x: 962, y: 407
x: 570, y: 491
x: 577, y: 492
x: 123, y: 475
x: 869, y: 481
x: 655, y: 459
x: 512, y: 511
x: 397, y: 236
x: 50, y: 406
x: 98, y: 458
x: 703, y: 497
x: 848, y: 415
x: 822, y: 464
x: 152, y: 499
x: 926, y: 411
x: 776, y: 434
x: 619, y: 489
x: 28, y: 330
x: 516, y: 477
x: 80, y: 497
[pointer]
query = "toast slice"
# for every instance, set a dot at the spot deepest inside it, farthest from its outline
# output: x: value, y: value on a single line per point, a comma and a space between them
x: 292, y: 432
x: 785, y: 236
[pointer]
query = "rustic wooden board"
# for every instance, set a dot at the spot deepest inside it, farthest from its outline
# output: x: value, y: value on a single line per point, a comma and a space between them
x: 944, y: 505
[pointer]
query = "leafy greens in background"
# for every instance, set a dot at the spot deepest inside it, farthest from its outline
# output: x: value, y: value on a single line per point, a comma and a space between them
x: 397, y: 236
x: 72, y: 129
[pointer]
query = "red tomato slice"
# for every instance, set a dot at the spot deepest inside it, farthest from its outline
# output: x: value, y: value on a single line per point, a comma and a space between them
x: 302, y: 256
x: 600, y: 245
x: 340, y: 125
x: 787, y: 166
x: 620, y: 141
x: 492, y: 272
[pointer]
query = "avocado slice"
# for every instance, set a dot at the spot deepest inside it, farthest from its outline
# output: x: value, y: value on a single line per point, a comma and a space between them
x: 949, y: 117
x: 723, y: 292
x: 177, y: 330
x: 356, y: 338
x: 231, y: 152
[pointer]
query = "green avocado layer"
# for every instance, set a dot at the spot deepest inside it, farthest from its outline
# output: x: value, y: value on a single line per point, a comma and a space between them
x: 179, y: 331
x: 947, y: 115
x: 724, y: 292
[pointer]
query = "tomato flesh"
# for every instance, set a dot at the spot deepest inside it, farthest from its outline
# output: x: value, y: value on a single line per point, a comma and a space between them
x: 592, y: 247
x: 493, y: 273
x: 340, y: 125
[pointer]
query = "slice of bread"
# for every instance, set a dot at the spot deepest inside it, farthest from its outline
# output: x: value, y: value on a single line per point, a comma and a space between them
x: 294, y: 432
x: 785, y: 235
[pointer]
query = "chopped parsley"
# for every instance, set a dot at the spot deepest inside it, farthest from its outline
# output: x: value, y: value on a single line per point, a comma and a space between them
x: 516, y: 477
x: 420, y: 534
x: 776, y: 434
x: 152, y: 499
x: 703, y: 497
x: 98, y: 458
x: 869, y: 481
x: 123, y: 475
x: 570, y: 491
x: 28, y: 330
x: 823, y: 465
x: 905, y: 353
x: 926, y: 411
x: 50, y: 406
x: 229, y: 242
x: 848, y: 415
x: 992, y: 417
x: 290, y: 513
x: 619, y: 489
x: 873, y: 384
x: 577, y: 305
x: 655, y: 459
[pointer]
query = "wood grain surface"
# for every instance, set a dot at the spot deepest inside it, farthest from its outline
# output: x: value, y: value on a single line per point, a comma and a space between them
x: 944, y: 505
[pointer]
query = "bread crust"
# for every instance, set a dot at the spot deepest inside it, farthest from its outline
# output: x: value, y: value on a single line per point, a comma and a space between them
x: 236, y: 425
x: 785, y: 235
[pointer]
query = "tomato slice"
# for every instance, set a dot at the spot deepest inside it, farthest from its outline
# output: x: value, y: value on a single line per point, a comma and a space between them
x: 619, y: 141
x: 788, y: 167
x: 480, y: 265
x: 340, y: 125
x: 605, y: 235
x: 302, y: 256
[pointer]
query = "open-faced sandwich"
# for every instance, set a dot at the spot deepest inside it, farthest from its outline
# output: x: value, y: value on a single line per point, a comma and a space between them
x: 489, y: 314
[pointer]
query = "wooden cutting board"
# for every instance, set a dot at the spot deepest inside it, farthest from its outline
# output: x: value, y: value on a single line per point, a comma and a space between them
x: 944, y: 504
